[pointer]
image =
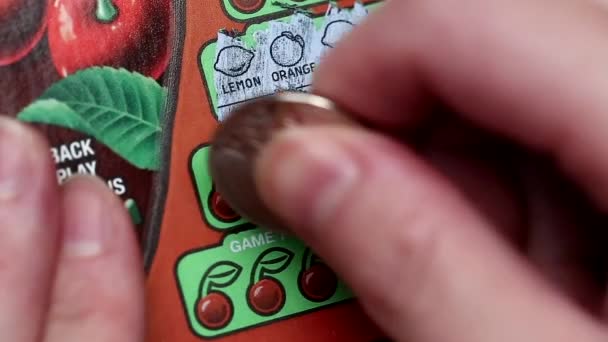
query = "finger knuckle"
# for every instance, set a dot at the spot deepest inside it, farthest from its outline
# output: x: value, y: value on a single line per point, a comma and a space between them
x: 84, y: 299
x: 39, y: 148
x: 440, y: 22
x: 414, y: 247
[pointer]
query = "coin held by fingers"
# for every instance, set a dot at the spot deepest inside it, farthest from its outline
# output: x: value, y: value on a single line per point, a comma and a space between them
x: 240, y: 138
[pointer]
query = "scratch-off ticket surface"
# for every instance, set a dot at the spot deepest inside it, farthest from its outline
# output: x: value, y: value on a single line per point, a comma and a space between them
x: 273, y: 56
x: 214, y: 275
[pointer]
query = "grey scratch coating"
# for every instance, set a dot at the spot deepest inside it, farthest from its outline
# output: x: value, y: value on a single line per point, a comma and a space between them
x: 284, y: 56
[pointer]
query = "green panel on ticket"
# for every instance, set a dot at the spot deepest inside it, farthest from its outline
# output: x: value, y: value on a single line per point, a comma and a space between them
x: 253, y: 278
x: 216, y: 213
x: 243, y: 10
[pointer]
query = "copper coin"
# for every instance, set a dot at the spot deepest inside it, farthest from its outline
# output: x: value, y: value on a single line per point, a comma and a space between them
x: 244, y: 133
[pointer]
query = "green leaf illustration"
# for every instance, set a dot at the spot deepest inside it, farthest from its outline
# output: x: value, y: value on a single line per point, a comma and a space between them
x: 220, y: 275
x: 117, y: 107
x: 276, y: 263
x: 272, y: 261
x: 57, y: 112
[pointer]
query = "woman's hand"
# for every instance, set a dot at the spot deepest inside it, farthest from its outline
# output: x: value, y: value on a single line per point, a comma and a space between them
x: 467, y: 237
x: 70, y: 268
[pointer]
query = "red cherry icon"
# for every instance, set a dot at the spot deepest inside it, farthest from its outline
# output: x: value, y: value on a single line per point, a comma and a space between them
x: 266, y: 297
x: 266, y: 294
x: 247, y: 6
x: 214, y: 311
x: 130, y: 34
x: 318, y: 283
x: 22, y: 25
x: 221, y: 209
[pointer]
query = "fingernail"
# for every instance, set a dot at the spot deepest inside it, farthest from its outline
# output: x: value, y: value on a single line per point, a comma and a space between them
x: 246, y: 132
x: 305, y: 176
x: 87, y: 218
x: 14, y: 159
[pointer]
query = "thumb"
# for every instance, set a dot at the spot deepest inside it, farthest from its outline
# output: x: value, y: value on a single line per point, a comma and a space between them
x: 424, y: 264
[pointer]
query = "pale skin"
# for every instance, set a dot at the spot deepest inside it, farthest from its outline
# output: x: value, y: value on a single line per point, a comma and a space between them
x: 438, y: 244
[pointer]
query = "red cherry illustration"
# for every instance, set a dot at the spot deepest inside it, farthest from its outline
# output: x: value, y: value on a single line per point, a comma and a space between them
x: 247, y: 6
x: 22, y: 25
x: 266, y: 297
x: 214, y: 311
x: 221, y: 209
x: 318, y: 283
x: 130, y: 34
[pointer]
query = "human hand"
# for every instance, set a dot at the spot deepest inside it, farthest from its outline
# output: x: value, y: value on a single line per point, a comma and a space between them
x: 69, y: 262
x: 438, y: 243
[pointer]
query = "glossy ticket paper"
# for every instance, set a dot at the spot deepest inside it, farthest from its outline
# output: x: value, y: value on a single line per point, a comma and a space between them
x: 131, y: 91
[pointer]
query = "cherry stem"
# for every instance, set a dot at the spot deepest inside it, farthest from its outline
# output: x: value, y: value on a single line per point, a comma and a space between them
x: 258, y: 271
x: 106, y: 11
x: 307, y: 259
x: 258, y: 274
x: 206, y: 286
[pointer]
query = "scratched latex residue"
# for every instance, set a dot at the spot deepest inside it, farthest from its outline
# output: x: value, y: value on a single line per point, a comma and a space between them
x: 282, y: 55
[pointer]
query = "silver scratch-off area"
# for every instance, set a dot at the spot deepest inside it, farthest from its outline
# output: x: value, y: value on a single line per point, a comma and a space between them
x: 283, y: 55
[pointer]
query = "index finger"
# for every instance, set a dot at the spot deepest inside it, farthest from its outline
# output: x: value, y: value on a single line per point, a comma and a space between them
x: 536, y: 71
